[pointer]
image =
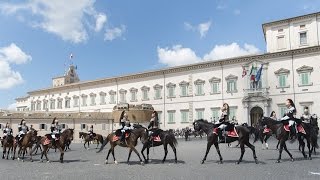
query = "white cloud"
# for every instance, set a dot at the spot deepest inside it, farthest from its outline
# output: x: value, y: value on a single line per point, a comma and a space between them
x: 66, y: 19
x: 221, y: 7
x: 11, y: 54
x: 177, y: 55
x: 230, y: 50
x: 201, y: 28
x: 12, y: 106
x: 101, y: 19
x: 113, y: 33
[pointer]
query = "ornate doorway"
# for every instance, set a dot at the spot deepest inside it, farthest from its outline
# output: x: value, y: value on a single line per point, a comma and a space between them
x: 255, y: 115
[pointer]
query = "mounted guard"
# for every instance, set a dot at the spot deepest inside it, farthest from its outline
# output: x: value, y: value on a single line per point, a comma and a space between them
x: 289, y: 118
x: 55, y: 131
x: 125, y: 126
x: 22, y: 129
x: 153, y: 127
x: 7, y: 131
x: 224, y: 123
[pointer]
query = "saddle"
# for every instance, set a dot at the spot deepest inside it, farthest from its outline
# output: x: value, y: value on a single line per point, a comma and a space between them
x: 155, y: 136
x: 117, y: 137
x: 301, y: 129
x: 230, y: 133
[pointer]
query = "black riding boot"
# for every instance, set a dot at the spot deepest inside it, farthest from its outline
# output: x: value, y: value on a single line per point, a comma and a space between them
x: 293, y: 132
x: 122, y: 137
x: 221, y: 138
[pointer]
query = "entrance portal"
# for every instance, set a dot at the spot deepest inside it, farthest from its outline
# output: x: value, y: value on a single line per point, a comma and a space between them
x: 255, y: 114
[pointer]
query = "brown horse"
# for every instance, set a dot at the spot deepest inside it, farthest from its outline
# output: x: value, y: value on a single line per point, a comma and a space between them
x: 7, y: 142
x: 88, y: 139
x: 65, y: 137
x: 212, y: 138
x: 130, y: 142
x: 27, y: 142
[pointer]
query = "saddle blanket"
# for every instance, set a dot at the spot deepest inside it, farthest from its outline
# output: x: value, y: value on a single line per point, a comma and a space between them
x: 286, y: 127
x: 266, y: 130
x: 232, y: 133
x: 157, y: 139
x: 116, y: 138
x: 47, y: 141
x: 301, y: 129
x: 215, y: 131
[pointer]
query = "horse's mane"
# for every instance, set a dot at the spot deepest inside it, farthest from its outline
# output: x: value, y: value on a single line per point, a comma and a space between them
x: 271, y: 120
x: 204, y: 121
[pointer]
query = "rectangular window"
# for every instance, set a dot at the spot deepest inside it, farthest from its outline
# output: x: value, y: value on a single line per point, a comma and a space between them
x: 45, y: 105
x: 171, y: 92
x: 145, y: 95
x: 103, y: 126
x: 281, y: 42
x: 199, y: 89
x: 233, y: 113
x: 282, y: 80
x: 84, y: 101
x: 38, y: 106
x: 83, y: 126
x: 160, y: 116
x: 63, y: 126
x: 171, y: 117
x: 122, y: 97
x: 92, y: 100
x: 305, y: 78
x: 60, y: 104
x: 52, y: 104
x: 214, y: 87
x: 231, y: 86
x: 184, y: 90
x: 303, y: 38
x: 282, y: 111
x: 33, y: 106
x: 42, y: 126
x: 215, y: 114
x: 134, y: 96
x: 184, y: 116
x: 67, y: 103
x: 75, y: 102
x: 112, y: 99
x: 102, y: 99
x: 200, y: 113
x: 158, y: 94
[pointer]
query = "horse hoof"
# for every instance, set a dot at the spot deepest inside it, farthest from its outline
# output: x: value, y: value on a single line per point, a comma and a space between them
x: 238, y: 162
x: 31, y: 160
x: 310, y: 158
x: 106, y: 162
x: 175, y: 161
x: 292, y: 160
x: 115, y: 162
x: 22, y: 160
x: 162, y: 162
x: 18, y: 159
x: 48, y: 161
x: 142, y: 163
x: 202, y: 162
x: 278, y: 161
x: 256, y: 161
x: 61, y: 161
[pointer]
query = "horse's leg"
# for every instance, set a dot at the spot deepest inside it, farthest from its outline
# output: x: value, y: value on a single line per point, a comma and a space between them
x: 309, y: 148
x: 4, y: 151
x: 301, y: 146
x: 286, y: 149
x: 30, y: 149
x: 209, y: 144
x: 253, y: 151
x: 266, y: 139
x: 242, y: 152
x: 277, y: 147
x: 130, y: 151
x: 148, y: 152
x: 108, y: 156
x: 135, y: 150
x: 174, y: 151
x: 114, y: 158
x: 61, y: 153
x: 142, y: 150
x: 84, y: 145
x: 165, y: 146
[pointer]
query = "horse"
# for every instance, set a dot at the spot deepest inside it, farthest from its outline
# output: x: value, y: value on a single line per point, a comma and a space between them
x: 7, y: 142
x: 166, y: 137
x: 130, y: 142
x: 27, y: 142
x: 88, y: 139
x: 314, y: 123
x: 212, y: 139
x: 309, y: 135
x: 65, y: 137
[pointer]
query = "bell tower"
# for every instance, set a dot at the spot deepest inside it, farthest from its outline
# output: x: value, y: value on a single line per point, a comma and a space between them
x: 70, y: 77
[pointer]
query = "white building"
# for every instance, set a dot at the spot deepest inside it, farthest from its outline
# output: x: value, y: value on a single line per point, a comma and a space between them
x: 290, y: 69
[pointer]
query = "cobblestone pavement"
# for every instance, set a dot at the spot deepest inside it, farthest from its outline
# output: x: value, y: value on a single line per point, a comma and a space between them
x: 87, y: 164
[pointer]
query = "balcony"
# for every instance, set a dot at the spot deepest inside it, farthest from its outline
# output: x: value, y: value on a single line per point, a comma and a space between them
x: 256, y: 92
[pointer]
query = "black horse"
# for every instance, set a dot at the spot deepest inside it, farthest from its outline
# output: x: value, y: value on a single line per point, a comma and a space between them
x: 212, y: 138
x: 166, y: 137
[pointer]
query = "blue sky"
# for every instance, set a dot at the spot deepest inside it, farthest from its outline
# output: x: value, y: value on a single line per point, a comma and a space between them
x: 114, y: 37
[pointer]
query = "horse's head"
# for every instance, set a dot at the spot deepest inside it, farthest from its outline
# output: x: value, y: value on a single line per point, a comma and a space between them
x: 68, y: 134
x: 197, y: 124
x: 80, y: 134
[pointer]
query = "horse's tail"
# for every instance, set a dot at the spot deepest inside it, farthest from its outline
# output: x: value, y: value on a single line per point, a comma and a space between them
x: 314, y: 141
x: 36, y: 146
x: 101, y: 139
x: 104, y: 143
x: 173, y: 139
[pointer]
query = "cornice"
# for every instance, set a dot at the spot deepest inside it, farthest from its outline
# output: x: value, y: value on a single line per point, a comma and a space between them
x: 190, y: 67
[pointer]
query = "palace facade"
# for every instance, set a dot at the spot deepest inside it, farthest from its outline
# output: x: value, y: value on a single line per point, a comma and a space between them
x: 252, y: 85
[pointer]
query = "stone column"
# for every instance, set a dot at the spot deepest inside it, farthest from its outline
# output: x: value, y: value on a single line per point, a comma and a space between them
x: 266, y: 109
x: 246, y: 113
